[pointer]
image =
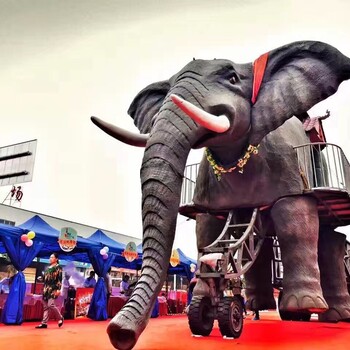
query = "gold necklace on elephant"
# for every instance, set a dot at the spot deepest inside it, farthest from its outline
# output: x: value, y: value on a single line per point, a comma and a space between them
x: 219, y: 170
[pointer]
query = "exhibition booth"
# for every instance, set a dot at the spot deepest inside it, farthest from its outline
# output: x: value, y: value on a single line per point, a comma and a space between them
x: 23, y: 301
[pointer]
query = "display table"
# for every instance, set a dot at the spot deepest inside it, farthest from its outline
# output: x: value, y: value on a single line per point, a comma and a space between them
x: 177, y: 301
x: 163, y: 306
x: 115, y: 303
x: 33, y: 307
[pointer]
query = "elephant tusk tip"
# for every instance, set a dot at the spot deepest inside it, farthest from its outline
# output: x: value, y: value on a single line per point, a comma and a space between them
x: 176, y: 99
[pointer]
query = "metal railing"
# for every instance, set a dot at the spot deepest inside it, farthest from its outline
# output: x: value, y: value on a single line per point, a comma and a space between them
x: 189, y: 183
x: 324, y: 165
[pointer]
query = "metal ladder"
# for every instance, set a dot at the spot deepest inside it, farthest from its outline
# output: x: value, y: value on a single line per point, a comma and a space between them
x: 239, y: 244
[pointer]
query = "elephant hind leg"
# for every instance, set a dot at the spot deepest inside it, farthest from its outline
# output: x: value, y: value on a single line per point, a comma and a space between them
x: 296, y: 225
x: 331, y: 253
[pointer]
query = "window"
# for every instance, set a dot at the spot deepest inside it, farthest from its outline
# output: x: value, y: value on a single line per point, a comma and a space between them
x: 7, y: 222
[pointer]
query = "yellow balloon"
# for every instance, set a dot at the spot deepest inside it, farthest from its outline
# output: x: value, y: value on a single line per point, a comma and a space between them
x: 31, y: 234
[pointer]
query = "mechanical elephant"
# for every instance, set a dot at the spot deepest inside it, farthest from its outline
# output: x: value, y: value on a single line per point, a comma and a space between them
x: 248, y: 116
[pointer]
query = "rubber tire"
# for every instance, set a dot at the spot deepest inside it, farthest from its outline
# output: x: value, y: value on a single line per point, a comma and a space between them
x: 230, y: 317
x: 201, y: 315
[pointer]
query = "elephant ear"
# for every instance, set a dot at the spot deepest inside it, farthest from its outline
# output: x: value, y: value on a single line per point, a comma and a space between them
x: 146, y: 104
x: 297, y: 76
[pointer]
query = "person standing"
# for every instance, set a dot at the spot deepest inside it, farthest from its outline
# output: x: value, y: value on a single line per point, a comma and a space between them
x: 52, y: 287
x: 90, y: 282
x: 124, y: 285
x: 108, y: 282
x: 65, y: 286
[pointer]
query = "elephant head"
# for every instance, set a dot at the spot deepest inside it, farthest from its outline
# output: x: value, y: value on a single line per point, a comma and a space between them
x: 243, y: 103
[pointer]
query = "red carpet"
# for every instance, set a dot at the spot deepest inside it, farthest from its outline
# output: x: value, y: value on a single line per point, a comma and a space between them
x: 172, y: 332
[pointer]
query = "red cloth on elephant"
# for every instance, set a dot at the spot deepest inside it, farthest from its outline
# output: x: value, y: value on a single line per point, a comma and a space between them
x: 259, y: 66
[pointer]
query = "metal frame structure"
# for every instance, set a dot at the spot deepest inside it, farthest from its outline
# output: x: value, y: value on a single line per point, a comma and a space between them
x: 325, y: 171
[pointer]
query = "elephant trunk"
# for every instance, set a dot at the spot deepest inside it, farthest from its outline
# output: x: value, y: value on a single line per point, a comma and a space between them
x: 161, y: 176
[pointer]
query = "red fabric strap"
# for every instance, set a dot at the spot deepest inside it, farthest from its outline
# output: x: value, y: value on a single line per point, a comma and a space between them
x: 259, y: 70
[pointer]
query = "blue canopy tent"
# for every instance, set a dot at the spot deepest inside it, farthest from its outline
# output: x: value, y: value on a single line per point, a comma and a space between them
x: 49, y: 236
x: 100, y: 237
x: 116, y: 247
x: 44, y: 244
x: 21, y: 256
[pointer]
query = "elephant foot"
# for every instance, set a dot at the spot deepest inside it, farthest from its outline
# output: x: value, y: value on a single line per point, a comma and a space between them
x: 261, y: 303
x: 339, y: 310
x: 307, y: 301
x: 122, y: 333
x: 334, y: 315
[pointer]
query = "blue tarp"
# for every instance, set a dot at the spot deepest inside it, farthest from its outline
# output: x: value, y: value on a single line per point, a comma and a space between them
x: 6, y: 230
x: 41, y: 228
x: 100, y: 237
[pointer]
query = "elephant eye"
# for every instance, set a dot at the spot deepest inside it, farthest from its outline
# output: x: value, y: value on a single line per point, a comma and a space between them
x: 233, y: 79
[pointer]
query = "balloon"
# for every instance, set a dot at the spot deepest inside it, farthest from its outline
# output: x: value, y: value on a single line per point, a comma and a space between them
x: 193, y: 268
x: 24, y: 238
x: 106, y: 249
x: 29, y: 243
x: 103, y: 252
x: 105, y: 256
x: 31, y: 234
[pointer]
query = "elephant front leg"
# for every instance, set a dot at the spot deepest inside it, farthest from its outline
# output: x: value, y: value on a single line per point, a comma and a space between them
x: 259, y: 291
x: 208, y: 228
x: 331, y: 251
x: 296, y: 223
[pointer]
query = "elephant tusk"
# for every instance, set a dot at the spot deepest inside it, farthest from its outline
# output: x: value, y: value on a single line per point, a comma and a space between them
x: 130, y: 138
x: 212, y: 122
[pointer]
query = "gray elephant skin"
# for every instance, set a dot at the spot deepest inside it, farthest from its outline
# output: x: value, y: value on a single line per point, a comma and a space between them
x: 296, y: 77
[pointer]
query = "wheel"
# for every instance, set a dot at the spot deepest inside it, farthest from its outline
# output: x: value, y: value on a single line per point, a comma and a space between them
x: 201, y: 316
x: 230, y: 317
